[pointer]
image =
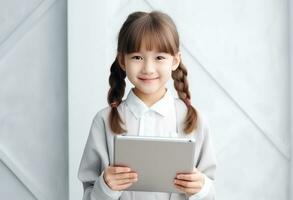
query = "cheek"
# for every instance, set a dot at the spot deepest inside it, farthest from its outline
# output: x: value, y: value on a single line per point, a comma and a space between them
x: 131, y: 72
x: 165, y: 70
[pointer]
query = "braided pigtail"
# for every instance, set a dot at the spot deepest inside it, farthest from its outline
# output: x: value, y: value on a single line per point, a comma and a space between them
x: 115, y: 95
x: 181, y: 85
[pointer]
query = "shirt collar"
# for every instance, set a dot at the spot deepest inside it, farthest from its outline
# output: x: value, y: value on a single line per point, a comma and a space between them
x: 139, y: 108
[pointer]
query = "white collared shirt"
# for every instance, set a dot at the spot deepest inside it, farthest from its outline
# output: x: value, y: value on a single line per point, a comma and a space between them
x: 157, y: 120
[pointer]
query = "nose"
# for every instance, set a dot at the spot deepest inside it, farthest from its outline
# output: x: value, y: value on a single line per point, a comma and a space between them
x: 149, y: 67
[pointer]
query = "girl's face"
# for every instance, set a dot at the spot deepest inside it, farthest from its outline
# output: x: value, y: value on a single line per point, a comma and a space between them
x: 149, y: 71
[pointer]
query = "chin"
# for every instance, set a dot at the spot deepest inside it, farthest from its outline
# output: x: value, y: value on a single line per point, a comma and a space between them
x: 148, y: 90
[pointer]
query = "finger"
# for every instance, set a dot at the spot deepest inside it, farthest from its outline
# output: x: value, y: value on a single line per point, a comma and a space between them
x: 194, y: 171
x: 116, y: 170
x: 125, y: 181
x: 189, y: 177
x: 125, y: 176
x: 188, y: 184
x: 190, y: 191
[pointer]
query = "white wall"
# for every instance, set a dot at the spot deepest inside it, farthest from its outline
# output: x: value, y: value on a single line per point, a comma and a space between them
x: 33, y: 100
x: 237, y: 56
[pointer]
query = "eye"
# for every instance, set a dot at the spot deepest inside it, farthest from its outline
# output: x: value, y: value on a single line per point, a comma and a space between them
x: 136, y: 57
x: 160, y: 57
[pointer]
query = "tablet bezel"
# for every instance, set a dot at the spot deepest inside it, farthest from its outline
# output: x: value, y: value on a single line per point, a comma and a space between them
x: 167, y: 148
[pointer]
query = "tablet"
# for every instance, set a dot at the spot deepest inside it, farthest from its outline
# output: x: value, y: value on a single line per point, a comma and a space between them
x: 156, y: 160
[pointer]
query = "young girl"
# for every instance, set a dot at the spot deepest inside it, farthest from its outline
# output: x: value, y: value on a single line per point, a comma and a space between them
x: 148, y: 55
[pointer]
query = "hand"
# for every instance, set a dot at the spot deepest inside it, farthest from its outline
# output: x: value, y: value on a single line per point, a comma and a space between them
x: 119, y: 178
x: 190, y: 183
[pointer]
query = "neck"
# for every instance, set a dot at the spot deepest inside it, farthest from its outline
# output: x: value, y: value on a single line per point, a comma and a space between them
x: 150, y: 99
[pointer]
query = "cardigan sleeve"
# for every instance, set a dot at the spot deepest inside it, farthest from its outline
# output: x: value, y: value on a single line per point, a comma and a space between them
x: 204, y: 153
x: 94, y: 159
x: 206, y: 160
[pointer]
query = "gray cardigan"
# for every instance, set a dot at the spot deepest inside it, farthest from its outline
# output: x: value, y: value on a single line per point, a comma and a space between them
x: 98, y: 153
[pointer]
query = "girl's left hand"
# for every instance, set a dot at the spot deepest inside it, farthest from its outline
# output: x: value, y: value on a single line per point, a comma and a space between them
x: 190, y: 183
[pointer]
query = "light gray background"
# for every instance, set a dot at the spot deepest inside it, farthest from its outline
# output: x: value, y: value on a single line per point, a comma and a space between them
x: 237, y: 54
x: 33, y: 100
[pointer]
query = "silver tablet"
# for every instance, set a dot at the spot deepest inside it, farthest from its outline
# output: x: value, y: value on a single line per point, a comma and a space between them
x: 155, y: 159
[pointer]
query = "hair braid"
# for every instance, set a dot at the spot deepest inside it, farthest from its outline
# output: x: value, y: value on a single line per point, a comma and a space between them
x: 181, y: 85
x: 115, y: 95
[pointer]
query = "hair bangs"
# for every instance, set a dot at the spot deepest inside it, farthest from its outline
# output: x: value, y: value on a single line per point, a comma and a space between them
x: 151, y: 35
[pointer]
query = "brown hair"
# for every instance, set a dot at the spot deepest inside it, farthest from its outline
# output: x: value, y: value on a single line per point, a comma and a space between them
x: 155, y: 30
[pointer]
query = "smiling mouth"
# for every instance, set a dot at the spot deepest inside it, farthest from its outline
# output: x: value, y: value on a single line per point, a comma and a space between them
x: 148, y: 79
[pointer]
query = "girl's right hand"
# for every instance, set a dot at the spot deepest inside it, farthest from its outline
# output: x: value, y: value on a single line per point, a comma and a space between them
x: 119, y: 178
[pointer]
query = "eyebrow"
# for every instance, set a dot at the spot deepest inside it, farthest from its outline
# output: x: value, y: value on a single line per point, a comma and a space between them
x: 154, y: 52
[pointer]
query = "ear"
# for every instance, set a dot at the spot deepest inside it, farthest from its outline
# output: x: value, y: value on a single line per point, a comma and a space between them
x: 176, y: 61
x: 121, y: 62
